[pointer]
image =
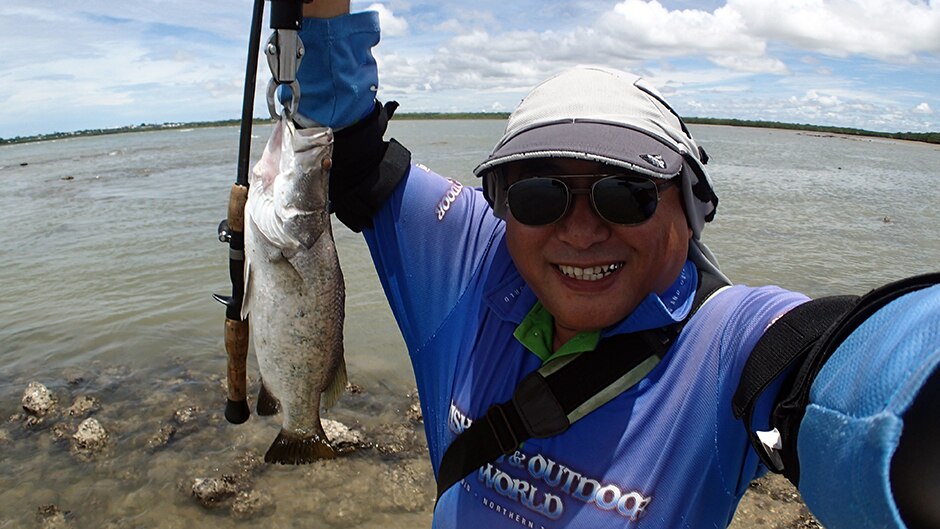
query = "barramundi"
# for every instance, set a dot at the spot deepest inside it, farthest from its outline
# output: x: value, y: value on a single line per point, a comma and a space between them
x: 294, y: 290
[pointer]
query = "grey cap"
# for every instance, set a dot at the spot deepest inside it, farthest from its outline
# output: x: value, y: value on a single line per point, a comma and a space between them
x: 612, y: 117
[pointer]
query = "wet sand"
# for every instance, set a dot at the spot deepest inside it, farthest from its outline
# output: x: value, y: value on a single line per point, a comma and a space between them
x: 169, y: 459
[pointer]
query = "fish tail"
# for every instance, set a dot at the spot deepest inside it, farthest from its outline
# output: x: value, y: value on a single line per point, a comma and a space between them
x: 337, y: 386
x: 291, y: 450
x: 267, y: 402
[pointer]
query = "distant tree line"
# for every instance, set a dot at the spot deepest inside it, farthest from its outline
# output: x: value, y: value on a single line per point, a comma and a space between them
x: 927, y: 137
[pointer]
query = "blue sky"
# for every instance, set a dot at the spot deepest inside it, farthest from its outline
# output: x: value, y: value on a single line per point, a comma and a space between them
x: 871, y: 64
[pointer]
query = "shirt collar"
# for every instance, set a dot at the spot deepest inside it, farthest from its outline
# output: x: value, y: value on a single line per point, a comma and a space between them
x: 513, y: 301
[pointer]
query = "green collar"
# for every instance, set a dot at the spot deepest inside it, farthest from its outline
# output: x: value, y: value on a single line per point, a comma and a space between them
x: 537, y: 330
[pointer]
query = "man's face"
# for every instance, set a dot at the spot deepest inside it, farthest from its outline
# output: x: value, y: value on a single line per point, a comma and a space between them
x: 643, y: 258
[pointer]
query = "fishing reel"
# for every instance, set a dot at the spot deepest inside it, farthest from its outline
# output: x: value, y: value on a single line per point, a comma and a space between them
x: 225, y: 233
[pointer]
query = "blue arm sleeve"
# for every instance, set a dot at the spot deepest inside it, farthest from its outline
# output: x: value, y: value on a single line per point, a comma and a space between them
x: 338, y: 76
x: 855, y: 417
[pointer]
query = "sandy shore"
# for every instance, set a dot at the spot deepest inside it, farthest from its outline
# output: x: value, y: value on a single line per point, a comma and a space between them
x: 773, y: 503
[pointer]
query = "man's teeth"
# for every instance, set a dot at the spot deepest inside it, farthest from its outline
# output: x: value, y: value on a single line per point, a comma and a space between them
x: 592, y: 273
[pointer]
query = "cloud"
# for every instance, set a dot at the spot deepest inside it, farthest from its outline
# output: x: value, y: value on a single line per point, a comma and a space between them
x: 786, y: 60
x: 392, y: 26
x: 884, y: 29
x: 923, y: 108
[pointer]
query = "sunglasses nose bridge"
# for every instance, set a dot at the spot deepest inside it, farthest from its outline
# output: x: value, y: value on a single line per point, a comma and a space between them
x: 585, y: 193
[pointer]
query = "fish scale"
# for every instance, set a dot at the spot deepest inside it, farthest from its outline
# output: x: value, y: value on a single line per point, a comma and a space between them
x: 294, y: 289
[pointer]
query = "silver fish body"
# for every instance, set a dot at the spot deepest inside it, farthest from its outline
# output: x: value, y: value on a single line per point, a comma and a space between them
x: 294, y: 289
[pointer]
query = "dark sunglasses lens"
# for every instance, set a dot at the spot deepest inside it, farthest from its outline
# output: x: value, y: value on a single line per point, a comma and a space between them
x: 538, y: 201
x: 625, y: 200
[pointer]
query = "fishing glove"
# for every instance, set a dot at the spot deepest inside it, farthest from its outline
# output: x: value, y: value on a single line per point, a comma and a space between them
x: 858, y: 409
x: 338, y: 76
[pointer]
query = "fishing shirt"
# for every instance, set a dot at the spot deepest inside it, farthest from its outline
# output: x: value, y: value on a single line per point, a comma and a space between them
x: 666, y: 453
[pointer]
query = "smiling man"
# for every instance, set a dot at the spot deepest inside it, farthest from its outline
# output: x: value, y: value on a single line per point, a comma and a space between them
x: 581, y: 359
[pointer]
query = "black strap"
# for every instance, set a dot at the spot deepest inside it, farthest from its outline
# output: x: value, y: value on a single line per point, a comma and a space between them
x: 788, y: 340
x: 365, y: 169
x: 805, y: 337
x: 548, y: 400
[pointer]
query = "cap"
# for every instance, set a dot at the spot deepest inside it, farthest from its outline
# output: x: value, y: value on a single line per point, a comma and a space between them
x: 608, y: 116
x: 596, y: 114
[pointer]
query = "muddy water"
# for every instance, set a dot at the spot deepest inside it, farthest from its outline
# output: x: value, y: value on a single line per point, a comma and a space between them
x: 109, y: 258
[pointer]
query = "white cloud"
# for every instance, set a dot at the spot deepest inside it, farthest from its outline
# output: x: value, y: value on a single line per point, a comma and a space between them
x: 884, y: 29
x: 751, y: 64
x: 392, y: 26
x: 186, y: 59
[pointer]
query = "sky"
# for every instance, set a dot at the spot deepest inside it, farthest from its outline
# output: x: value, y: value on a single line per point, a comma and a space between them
x: 870, y: 64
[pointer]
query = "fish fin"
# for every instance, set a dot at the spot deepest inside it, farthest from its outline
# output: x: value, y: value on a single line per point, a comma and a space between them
x: 267, y: 402
x: 289, y: 450
x: 337, y: 387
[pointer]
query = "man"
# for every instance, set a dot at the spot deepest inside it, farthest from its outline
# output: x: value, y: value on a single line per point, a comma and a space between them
x: 588, y: 229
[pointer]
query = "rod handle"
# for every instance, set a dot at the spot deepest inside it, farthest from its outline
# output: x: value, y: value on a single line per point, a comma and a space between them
x: 236, y: 345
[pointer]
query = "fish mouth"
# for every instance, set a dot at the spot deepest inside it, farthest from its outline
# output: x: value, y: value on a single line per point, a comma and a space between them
x: 590, y: 273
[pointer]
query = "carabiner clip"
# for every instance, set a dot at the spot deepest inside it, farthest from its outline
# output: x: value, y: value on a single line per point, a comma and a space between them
x: 285, y: 51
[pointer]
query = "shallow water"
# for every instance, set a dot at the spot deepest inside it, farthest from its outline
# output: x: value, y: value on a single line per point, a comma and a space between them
x: 105, y: 283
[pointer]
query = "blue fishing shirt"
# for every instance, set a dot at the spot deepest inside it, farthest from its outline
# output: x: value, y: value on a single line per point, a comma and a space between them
x: 667, y: 453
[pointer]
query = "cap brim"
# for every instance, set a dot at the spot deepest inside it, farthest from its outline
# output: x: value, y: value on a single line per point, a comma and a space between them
x: 609, y: 143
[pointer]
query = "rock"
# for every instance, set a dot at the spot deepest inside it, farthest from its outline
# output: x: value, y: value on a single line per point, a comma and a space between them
x: 37, y: 400
x: 73, y: 377
x: 414, y: 410
x: 50, y: 517
x: 342, y: 439
x: 90, y: 438
x: 252, y: 504
x: 396, y: 439
x: 60, y: 432
x: 83, y: 406
x: 186, y: 415
x: 161, y: 438
x: 210, y: 492
x: 31, y: 422
x: 414, y: 413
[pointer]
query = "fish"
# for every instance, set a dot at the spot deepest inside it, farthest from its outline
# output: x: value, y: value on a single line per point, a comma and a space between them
x: 294, y: 295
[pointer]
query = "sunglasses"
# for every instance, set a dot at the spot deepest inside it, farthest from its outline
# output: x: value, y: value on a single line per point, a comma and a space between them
x: 618, y: 199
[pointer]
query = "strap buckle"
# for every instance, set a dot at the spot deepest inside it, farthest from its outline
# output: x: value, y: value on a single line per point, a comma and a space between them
x: 772, y: 443
x: 502, y: 430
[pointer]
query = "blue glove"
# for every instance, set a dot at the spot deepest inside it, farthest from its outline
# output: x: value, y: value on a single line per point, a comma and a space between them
x: 338, y: 76
x: 855, y: 418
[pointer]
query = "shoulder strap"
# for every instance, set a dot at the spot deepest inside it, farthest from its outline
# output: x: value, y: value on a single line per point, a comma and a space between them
x: 804, y: 338
x: 548, y: 400
x: 786, y: 341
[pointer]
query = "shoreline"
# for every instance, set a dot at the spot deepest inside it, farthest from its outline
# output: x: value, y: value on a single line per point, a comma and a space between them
x: 182, y: 456
x: 821, y: 130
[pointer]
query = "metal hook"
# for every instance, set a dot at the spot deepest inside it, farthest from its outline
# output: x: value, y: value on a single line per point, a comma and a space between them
x: 289, y: 106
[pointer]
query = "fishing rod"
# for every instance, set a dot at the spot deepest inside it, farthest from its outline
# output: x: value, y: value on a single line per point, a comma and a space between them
x: 284, y: 51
